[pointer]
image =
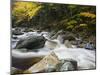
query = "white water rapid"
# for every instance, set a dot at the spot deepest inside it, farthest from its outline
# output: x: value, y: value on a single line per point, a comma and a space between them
x: 84, y: 57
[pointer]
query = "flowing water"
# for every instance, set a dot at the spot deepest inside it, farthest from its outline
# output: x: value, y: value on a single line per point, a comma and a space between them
x: 84, y: 57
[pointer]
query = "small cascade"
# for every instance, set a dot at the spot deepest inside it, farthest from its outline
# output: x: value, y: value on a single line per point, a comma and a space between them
x: 63, y: 49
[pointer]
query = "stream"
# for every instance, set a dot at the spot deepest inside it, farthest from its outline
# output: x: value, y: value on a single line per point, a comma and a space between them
x: 84, y: 57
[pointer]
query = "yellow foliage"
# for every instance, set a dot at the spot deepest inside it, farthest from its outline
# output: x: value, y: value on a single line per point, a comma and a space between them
x: 70, y: 27
x: 25, y: 10
x: 72, y: 22
x: 83, y: 25
x: 88, y: 14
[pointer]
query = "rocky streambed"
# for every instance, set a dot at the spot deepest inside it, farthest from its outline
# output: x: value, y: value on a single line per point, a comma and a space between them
x: 39, y: 51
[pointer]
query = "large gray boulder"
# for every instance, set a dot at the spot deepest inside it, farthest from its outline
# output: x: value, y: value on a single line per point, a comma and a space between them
x: 32, y: 42
x: 51, y: 63
x: 47, y: 64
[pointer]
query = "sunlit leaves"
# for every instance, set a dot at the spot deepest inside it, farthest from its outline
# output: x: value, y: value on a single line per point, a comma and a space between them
x: 25, y: 10
x: 83, y: 25
x: 72, y: 22
x: 88, y: 15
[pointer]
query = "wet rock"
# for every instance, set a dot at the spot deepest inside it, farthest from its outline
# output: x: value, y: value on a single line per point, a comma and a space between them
x: 52, y: 44
x: 69, y: 37
x: 68, y: 44
x: 17, y: 31
x: 89, y: 46
x: 64, y: 35
x: 47, y: 64
x: 51, y: 63
x: 81, y: 45
x: 66, y: 65
x: 55, y: 34
x: 32, y: 42
x: 73, y: 42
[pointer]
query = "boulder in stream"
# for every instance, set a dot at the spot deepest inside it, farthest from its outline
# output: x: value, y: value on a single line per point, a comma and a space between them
x: 32, y: 42
x: 66, y: 65
x: 51, y: 63
x: 47, y: 64
x: 89, y: 46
